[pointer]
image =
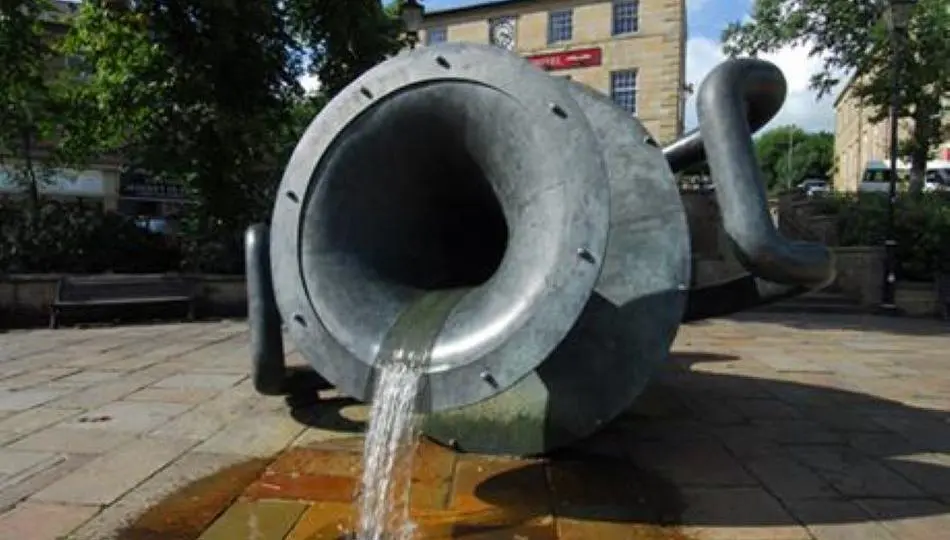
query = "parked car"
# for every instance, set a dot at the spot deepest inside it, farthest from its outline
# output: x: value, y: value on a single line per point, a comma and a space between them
x: 937, y: 177
x: 814, y: 186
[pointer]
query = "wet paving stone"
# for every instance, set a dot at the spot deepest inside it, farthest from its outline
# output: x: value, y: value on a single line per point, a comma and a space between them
x: 185, y: 514
x: 265, y: 520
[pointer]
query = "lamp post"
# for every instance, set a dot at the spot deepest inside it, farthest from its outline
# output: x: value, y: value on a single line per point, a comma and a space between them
x: 897, y: 15
x: 411, y: 12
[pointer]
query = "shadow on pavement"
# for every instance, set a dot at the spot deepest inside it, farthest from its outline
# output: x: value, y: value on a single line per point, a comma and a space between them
x: 307, y: 407
x: 910, y: 326
x: 713, y: 450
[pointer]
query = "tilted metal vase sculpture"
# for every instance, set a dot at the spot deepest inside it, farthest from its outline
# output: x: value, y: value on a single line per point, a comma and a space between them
x: 521, y: 231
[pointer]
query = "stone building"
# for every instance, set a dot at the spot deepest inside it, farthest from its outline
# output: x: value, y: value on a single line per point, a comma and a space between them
x: 631, y: 50
x: 858, y: 140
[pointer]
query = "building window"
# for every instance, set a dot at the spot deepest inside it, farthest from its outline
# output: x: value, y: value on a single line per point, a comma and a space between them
x: 560, y: 26
x: 436, y: 35
x: 626, y: 17
x: 623, y: 89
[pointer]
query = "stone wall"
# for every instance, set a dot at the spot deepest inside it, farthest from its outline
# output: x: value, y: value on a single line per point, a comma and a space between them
x: 25, y: 299
x: 656, y: 50
x: 860, y: 270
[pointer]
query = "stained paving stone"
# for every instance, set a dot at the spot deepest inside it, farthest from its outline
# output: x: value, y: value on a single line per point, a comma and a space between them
x: 853, y: 474
x: 78, y: 441
x: 324, y: 521
x: 88, y: 377
x: 738, y: 514
x: 109, y: 476
x: 127, y: 416
x: 21, y: 400
x: 205, y: 420
x: 16, y: 488
x: 484, y: 484
x: 766, y: 422
x: 200, y: 380
x: 264, y: 519
x: 189, y: 396
x: 34, y: 377
x: 102, y: 394
x: 254, y: 436
x: 928, y: 471
x: 13, y: 462
x: 177, y: 503
x: 829, y: 519
x: 23, y: 423
x: 703, y: 463
x: 787, y: 479
x: 32, y: 521
x: 910, y: 519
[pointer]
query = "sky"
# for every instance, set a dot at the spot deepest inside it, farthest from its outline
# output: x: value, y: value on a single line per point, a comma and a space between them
x: 706, y: 19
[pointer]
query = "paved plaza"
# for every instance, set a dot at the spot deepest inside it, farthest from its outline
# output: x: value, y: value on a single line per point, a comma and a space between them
x: 764, y: 426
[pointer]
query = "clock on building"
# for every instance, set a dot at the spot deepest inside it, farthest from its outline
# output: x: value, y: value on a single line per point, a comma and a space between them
x: 502, y: 32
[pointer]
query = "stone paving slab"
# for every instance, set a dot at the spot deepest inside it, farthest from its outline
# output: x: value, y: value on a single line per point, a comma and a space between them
x: 761, y: 426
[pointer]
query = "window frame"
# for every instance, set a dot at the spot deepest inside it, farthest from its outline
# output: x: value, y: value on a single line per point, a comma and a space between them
x: 616, y: 89
x: 440, y: 30
x: 615, y: 6
x: 569, y: 12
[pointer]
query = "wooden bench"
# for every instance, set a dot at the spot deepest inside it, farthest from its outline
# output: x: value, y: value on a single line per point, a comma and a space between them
x: 123, y: 292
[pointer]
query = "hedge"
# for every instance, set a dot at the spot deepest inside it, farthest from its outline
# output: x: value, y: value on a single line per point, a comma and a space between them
x: 921, y: 228
x: 63, y: 237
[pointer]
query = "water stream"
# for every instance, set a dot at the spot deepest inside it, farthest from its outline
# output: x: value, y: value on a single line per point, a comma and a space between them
x: 392, y: 434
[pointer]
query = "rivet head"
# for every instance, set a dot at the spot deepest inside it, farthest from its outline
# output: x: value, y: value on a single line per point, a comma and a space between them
x: 557, y: 110
x: 488, y: 378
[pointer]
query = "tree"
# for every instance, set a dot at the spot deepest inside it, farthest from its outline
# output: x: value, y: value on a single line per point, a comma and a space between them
x: 787, y: 155
x: 344, y: 39
x: 209, y: 93
x: 31, y: 104
x: 850, y: 37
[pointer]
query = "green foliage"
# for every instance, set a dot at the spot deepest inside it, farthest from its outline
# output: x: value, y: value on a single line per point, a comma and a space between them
x: 850, y: 37
x: 204, y: 92
x: 787, y: 155
x: 344, y: 38
x: 61, y: 237
x: 33, y: 99
x: 209, y: 92
x: 921, y: 227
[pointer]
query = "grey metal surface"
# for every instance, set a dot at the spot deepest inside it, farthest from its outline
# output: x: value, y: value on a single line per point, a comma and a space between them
x: 735, y: 100
x: 523, y: 230
x: 627, y: 327
x: 734, y: 95
x: 457, y: 139
x: 268, y: 368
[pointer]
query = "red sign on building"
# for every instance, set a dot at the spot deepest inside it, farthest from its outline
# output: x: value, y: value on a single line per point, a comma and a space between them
x: 567, y: 59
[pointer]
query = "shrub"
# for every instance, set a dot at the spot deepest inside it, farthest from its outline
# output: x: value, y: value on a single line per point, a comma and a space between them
x: 69, y: 237
x: 921, y: 227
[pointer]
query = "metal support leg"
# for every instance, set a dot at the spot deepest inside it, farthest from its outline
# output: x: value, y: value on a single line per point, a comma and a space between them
x: 268, y: 368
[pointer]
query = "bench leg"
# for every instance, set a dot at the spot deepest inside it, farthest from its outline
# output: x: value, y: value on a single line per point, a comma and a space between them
x: 191, y: 312
x: 53, y: 319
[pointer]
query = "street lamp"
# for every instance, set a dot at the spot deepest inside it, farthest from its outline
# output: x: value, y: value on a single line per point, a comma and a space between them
x: 897, y: 14
x: 411, y: 13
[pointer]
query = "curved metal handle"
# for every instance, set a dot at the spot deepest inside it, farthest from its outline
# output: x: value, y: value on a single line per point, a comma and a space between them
x: 737, y: 97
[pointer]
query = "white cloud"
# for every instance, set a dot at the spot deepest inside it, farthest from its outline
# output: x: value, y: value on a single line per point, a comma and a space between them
x: 695, y: 6
x: 801, y: 107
